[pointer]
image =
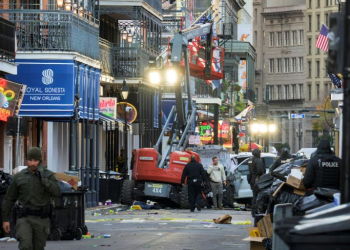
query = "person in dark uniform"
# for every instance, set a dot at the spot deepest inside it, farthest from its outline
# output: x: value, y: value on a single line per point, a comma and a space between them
x: 195, y: 174
x: 256, y: 169
x: 285, y: 156
x: 32, y: 188
x: 323, y: 169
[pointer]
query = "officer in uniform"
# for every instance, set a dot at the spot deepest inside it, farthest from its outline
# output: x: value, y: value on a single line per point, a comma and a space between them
x: 256, y: 169
x: 195, y: 174
x: 285, y: 156
x: 32, y: 188
x: 323, y: 169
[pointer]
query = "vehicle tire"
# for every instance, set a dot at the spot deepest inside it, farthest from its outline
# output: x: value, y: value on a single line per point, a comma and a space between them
x: 184, y: 198
x: 78, y: 234
x: 127, y: 192
x: 55, y: 234
x: 229, y: 196
x: 85, y: 230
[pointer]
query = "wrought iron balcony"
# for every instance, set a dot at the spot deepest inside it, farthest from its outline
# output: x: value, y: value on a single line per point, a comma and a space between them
x: 7, y: 41
x: 155, y: 4
x: 49, y: 29
x: 123, y: 61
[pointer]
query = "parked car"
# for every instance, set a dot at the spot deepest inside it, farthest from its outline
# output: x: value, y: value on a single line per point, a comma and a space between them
x: 239, y: 176
x: 306, y: 152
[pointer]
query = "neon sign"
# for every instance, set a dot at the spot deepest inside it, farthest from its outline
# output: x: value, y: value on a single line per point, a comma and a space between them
x: 10, y: 90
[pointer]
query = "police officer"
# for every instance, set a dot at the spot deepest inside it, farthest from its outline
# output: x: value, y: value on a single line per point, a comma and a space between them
x: 285, y: 156
x: 256, y: 169
x: 323, y: 169
x: 32, y: 188
x: 195, y: 174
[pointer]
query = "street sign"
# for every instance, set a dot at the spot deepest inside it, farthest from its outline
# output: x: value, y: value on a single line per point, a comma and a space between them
x: 297, y: 116
x: 244, y: 119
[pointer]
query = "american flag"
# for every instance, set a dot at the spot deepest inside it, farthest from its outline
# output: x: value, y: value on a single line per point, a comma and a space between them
x: 322, y: 40
x: 335, y: 80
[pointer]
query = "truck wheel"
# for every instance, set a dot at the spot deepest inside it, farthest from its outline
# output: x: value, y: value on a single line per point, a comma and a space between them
x: 184, y: 198
x: 127, y: 192
x: 55, y: 234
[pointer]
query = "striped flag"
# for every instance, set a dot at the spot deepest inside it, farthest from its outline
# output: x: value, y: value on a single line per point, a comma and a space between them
x: 322, y: 40
x: 335, y: 80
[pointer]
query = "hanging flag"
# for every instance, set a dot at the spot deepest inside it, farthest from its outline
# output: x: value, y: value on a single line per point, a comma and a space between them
x: 322, y: 40
x: 335, y: 80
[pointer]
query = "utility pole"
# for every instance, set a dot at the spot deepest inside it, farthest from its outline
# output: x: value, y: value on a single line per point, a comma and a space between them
x: 345, y: 170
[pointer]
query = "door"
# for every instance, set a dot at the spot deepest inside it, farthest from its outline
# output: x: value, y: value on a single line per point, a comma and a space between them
x: 8, y: 155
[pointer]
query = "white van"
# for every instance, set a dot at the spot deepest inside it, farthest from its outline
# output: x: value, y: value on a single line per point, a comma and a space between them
x: 306, y: 151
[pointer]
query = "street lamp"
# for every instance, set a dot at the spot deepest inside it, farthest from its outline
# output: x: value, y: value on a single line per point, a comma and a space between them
x: 124, y: 95
x: 220, y: 120
x: 59, y: 3
x: 124, y: 33
x: 130, y: 37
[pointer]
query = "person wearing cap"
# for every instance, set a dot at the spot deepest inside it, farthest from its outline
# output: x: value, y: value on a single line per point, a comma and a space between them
x: 31, y: 189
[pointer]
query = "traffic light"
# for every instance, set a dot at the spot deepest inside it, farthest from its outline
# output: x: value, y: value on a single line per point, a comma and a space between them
x: 335, y: 43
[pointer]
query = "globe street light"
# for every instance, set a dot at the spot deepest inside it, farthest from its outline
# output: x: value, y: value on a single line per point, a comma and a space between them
x: 220, y: 120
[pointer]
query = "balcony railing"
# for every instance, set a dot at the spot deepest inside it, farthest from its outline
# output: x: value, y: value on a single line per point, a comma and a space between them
x: 7, y: 40
x: 228, y: 29
x: 286, y: 97
x: 54, y: 30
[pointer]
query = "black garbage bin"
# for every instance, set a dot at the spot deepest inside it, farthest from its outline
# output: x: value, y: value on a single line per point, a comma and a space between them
x: 68, y: 217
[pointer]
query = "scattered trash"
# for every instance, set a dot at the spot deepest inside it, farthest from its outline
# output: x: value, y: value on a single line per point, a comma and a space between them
x: 108, y: 224
x: 163, y: 223
x: 136, y: 207
x: 108, y: 202
x: 100, y: 203
x: 210, y: 226
x: 96, y: 214
x: 107, y: 236
x: 94, y: 246
x: 247, y: 222
x: 147, y: 247
x: 92, y: 236
x: 111, y: 211
x: 152, y: 213
x: 159, y: 234
x: 8, y: 239
x: 226, y: 219
x: 99, y: 237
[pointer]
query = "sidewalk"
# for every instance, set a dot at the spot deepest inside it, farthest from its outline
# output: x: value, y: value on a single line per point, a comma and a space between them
x: 104, y: 209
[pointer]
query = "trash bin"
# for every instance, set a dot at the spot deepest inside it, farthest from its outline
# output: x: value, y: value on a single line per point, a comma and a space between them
x: 110, y: 188
x: 68, y: 217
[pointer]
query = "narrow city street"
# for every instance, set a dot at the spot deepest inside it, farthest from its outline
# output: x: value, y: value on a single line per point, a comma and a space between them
x: 159, y: 229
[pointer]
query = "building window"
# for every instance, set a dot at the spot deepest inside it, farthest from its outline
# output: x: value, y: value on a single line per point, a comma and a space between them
x: 279, y: 65
x: 317, y: 68
x: 309, y: 22
x: 310, y: 6
x: 272, y: 66
x: 318, y: 22
x: 309, y: 92
x: 301, y: 64
x: 326, y: 91
x: 294, y: 37
x: 286, y: 92
x: 279, y: 38
x: 255, y: 15
x: 309, y: 69
x: 318, y: 91
x: 301, y: 37
x: 309, y: 43
x: 318, y: 51
x: 279, y: 92
x: 294, y: 64
x: 286, y: 65
x: 255, y: 38
x: 327, y: 20
x: 301, y: 90
x: 318, y: 3
x: 286, y: 38
x: 326, y: 2
x: 256, y: 95
x: 272, y: 92
x: 272, y: 39
x: 294, y: 91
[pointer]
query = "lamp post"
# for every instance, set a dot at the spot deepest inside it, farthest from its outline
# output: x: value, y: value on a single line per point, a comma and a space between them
x: 221, y: 120
x: 124, y: 95
x: 299, y: 135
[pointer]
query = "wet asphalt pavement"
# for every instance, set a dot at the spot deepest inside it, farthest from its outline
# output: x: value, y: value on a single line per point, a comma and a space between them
x: 159, y: 229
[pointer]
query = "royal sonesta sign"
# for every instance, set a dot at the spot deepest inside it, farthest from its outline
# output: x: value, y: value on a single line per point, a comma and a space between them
x: 11, y: 92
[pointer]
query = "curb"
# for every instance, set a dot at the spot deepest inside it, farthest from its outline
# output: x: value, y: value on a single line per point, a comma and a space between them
x: 105, y: 209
